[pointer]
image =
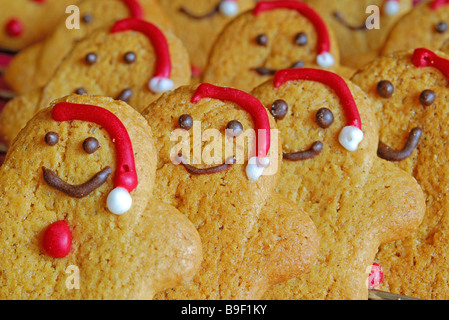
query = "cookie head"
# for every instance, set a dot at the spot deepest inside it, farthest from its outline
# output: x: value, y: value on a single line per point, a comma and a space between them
x: 329, y: 126
x: 408, y: 86
x: 426, y: 26
x: 140, y: 61
x: 22, y: 22
x: 263, y: 46
x: 352, y: 23
x: 199, y: 22
x: 225, y: 133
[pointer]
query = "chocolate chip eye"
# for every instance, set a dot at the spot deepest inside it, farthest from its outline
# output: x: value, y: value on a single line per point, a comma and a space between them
x: 87, y: 18
x: 301, y: 39
x: 262, y: 40
x: 385, y: 89
x: 125, y: 95
x: 279, y: 109
x: 90, y: 145
x: 234, y: 128
x: 90, y: 58
x: 324, y: 118
x: 80, y: 91
x: 185, y: 122
x: 427, y: 98
x: 441, y: 27
x: 130, y: 57
x: 51, y: 138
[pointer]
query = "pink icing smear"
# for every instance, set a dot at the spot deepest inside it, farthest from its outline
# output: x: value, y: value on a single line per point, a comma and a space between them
x: 376, y: 276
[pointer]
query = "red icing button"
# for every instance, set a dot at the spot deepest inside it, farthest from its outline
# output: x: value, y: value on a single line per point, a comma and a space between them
x: 14, y: 28
x: 57, y: 239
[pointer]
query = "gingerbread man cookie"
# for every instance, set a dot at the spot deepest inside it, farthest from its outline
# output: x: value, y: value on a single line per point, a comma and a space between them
x: 78, y: 217
x: 133, y: 61
x: 24, y: 22
x: 411, y: 93
x: 252, y: 237
x: 356, y: 200
x: 353, y: 23
x: 425, y: 26
x: 275, y: 35
x: 198, y: 22
x: 33, y: 67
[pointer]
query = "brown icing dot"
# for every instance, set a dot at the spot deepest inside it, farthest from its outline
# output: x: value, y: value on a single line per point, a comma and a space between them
x: 80, y: 91
x: 262, y: 39
x: 279, y: 109
x: 130, y: 57
x: 90, y: 58
x: 441, y: 27
x: 51, y: 138
x: 234, y: 128
x: 185, y: 122
x: 90, y: 145
x: 125, y: 95
x: 301, y: 39
x: 87, y: 18
x: 324, y: 118
x: 427, y: 98
x: 385, y: 89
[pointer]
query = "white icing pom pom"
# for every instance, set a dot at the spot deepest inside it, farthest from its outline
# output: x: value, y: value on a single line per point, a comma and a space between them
x: 392, y: 8
x: 160, y: 84
x: 255, y: 168
x: 229, y: 8
x: 119, y: 201
x: 350, y: 138
x: 325, y: 60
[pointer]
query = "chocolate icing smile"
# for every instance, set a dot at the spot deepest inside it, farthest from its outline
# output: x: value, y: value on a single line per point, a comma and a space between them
x: 387, y: 153
x: 337, y: 15
x: 266, y: 71
x: 210, y: 14
x: 193, y: 170
x: 314, y: 151
x: 76, y: 191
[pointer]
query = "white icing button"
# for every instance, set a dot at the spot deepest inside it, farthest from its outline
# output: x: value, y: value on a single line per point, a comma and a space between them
x: 325, y: 60
x: 160, y: 84
x: 119, y: 201
x: 350, y: 138
x: 229, y: 8
x: 391, y: 8
x: 255, y: 168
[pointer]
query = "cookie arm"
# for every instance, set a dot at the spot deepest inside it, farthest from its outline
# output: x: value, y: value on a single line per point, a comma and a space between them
x: 292, y: 237
x: 16, y: 114
x: 170, y: 248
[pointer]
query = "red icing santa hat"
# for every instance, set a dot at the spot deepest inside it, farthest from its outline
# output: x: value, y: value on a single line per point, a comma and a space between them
x: 324, y: 57
x: 119, y: 200
x: 436, y: 4
x: 161, y: 81
x: 256, y: 109
x: 135, y: 9
x: 352, y: 134
x: 392, y: 7
x: 229, y: 8
x: 425, y: 58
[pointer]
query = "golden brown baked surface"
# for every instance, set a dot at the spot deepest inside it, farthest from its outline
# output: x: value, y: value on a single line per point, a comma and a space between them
x: 33, y: 67
x: 356, y: 200
x: 150, y: 248
x: 415, y: 266
x: 197, y: 23
x: 358, y: 45
x: 252, y: 237
x: 37, y: 20
x: 109, y: 75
